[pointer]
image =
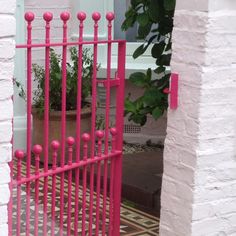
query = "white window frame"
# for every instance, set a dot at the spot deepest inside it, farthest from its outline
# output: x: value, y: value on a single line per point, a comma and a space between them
x: 140, y: 64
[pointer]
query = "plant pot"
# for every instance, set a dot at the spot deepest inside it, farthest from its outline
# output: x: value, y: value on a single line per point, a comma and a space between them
x: 55, y: 128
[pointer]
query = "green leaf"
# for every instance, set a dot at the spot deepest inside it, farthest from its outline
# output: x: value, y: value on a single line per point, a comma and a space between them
x: 135, y: 3
x: 157, y: 113
x: 130, y: 18
x: 149, y: 74
x: 140, y: 50
x: 158, y: 49
x: 154, y: 10
x: 160, y: 70
x: 144, y: 31
x: 152, y: 97
x: 169, y: 5
x: 139, y: 103
x: 129, y: 106
x: 143, y: 19
x: 138, y: 79
x: 139, y: 119
x: 165, y: 60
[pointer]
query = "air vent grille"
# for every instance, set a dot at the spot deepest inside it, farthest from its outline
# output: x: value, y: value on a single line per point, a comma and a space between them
x: 132, y: 129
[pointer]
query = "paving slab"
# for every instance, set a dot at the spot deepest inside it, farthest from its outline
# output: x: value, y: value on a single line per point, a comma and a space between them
x: 142, y: 178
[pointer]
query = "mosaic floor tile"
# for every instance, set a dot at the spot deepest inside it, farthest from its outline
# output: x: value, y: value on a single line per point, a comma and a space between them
x: 133, y: 221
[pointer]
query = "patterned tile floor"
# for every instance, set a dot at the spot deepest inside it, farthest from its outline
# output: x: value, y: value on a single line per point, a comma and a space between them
x: 133, y: 221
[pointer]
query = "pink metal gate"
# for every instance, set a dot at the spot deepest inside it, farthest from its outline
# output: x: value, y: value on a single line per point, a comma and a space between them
x: 98, y: 203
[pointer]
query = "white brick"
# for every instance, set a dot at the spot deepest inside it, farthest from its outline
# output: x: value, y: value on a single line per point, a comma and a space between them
x: 4, y: 194
x: 8, y: 28
x: 173, y: 222
x: 193, y: 21
x: 221, y: 226
x: 214, y: 191
x: 7, y: 48
x: 212, y: 209
x: 216, y: 5
x: 6, y: 108
x: 8, y: 7
x: 4, y: 230
x: 3, y: 215
x: 6, y: 90
x: 4, y: 174
x: 6, y: 153
x: 194, y: 5
x: 7, y: 70
x: 176, y: 154
x: 179, y: 189
x: 6, y: 132
x: 7, y: 53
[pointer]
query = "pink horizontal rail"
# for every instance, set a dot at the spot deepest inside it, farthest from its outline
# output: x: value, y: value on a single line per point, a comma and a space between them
x: 43, y: 45
x: 67, y: 168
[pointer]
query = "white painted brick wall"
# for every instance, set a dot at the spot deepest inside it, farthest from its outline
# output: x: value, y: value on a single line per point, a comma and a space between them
x: 7, y: 52
x: 199, y: 182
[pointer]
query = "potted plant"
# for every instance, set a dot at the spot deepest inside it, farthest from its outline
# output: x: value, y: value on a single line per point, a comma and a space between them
x: 56, y: 95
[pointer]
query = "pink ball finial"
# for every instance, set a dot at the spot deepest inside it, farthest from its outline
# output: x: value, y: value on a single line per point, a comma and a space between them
x: 29, y: 16
x: 96, y: 16
x: 19, y: 154
x: 65, y: 16
x: 55, y: 145
x: 47, y: 16
x: 37, y: 149
x: 110, y: 16
x: 70, y: 141
x: 100, y: 134
x: 85, y: 137
x: 81, y: 16
x: 113, y: 131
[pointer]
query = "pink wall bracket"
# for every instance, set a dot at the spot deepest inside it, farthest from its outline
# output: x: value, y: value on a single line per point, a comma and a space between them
x: 173, y: 91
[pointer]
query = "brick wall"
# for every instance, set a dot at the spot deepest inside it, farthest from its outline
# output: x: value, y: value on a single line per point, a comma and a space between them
x: 199, y: 182
x: 7, y: 51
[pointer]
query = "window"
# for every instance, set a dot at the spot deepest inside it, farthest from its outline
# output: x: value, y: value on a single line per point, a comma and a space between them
x: 119, y: 7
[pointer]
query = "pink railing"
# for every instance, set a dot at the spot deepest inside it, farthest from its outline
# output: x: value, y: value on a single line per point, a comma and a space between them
x: 103, y: 162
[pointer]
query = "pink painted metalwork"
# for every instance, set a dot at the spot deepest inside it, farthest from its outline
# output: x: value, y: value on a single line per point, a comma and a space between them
x: 85, y: 138
x: 119, y: 139
x: 173, y: 91
x: 37, y: 150
x: 19, y: 155
x: 110, y: 17
x: 47, y: 16
x: 113, y: 148
x: 29, y: 17
x: 100, y: 135
x: 70, y: 143
x: 65, y: 16
x: 102, y: 149
x: 96, y: 17
x: 55, y: 146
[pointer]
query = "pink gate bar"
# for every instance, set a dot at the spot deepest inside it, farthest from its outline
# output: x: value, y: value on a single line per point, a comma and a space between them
x: 97, y: 154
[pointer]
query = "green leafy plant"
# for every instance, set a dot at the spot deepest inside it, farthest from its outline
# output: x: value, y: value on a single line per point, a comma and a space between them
x: 155, y: 24
x: 56, y: 81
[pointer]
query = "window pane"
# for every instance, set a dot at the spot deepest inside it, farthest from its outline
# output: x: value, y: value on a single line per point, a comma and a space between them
x: 120, y: 7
